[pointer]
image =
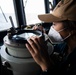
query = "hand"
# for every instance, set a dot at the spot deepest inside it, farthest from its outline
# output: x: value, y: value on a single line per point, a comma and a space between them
x: 36, y: 27
x: 38, y: 49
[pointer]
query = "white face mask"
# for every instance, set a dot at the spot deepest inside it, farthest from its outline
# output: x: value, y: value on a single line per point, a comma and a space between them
x: 55, y: 37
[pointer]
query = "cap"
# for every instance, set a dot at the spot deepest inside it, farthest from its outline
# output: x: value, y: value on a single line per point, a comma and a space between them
x: 64, y: 10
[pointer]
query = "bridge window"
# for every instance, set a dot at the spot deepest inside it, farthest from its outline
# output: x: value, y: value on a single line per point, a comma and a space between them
x: 6, y: 10
x: 32, y: 9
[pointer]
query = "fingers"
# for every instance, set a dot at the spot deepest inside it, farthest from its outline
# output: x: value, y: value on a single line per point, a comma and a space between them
x: 36, y: 42
x: 36, y: 45
x: 35, y: 27
x: 33, y: 45
x: 30, y: 49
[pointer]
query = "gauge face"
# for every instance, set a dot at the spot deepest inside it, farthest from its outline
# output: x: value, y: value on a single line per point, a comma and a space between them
x: 22, y: 38
x: 28, y: 35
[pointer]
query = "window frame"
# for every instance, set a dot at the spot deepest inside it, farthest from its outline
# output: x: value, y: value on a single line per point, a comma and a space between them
x: 20, y: 13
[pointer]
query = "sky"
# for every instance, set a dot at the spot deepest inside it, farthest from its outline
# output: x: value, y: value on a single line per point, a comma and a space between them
x: 6, y: 6
x: 34, y: 6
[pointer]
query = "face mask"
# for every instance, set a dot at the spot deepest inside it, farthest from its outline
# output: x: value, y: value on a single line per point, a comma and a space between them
x: 55, y: 37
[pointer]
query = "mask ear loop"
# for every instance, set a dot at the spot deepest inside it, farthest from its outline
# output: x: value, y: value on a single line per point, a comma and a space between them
x: 49, y: 40
x: 67, y: 36
x: 61, y: 30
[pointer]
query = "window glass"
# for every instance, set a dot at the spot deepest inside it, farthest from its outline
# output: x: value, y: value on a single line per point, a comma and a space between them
x: 6, y: 10
x: 32, y: 9
x: 51, y: 5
